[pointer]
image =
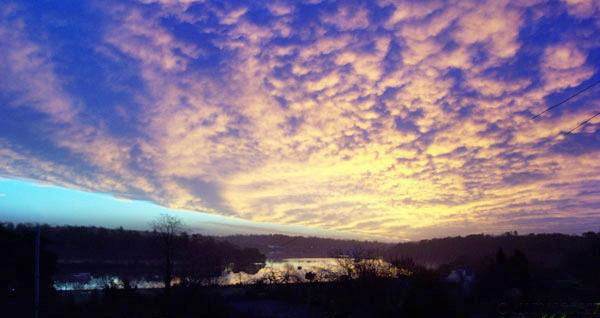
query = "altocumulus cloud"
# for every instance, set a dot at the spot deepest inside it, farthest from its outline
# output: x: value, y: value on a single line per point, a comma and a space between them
x: 396, y: 119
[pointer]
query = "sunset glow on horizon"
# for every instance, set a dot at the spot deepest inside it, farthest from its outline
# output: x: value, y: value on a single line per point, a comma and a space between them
x: 391, y: 120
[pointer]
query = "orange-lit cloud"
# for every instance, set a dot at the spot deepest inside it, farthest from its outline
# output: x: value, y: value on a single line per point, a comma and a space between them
x: 387, y: 119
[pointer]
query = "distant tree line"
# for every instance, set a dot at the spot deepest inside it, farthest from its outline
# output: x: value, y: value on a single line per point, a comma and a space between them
x: 195, y: 258
x: 551, y: 250
x: 279, y: 246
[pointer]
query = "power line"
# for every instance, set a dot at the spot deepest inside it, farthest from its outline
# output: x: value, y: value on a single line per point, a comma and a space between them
x: 566, y: 100
x: 584, y: 122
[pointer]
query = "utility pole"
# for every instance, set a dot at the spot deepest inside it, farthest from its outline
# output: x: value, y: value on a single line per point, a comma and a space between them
x: 36, y: 275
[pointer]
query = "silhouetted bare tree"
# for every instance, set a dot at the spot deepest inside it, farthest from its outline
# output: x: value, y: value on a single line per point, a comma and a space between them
x: 167, y: 228
x: 359, y: 263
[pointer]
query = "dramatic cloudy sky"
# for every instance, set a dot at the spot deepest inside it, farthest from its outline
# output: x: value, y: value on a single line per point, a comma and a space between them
x: 384, y: 119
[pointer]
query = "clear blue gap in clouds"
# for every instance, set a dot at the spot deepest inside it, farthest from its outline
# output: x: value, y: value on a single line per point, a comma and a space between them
x: 23, y: 201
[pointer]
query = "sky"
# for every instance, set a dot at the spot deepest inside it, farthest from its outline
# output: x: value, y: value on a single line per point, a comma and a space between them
x: 393, y: 120
x: 28, y: 202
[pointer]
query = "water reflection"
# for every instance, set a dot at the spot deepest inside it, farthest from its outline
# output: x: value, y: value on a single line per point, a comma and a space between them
x: 106, y: 281
x: 286, y: 270
x: 295, y: 269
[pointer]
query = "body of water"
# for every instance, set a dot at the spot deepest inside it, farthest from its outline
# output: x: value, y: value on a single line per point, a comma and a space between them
x: 287, y: 270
